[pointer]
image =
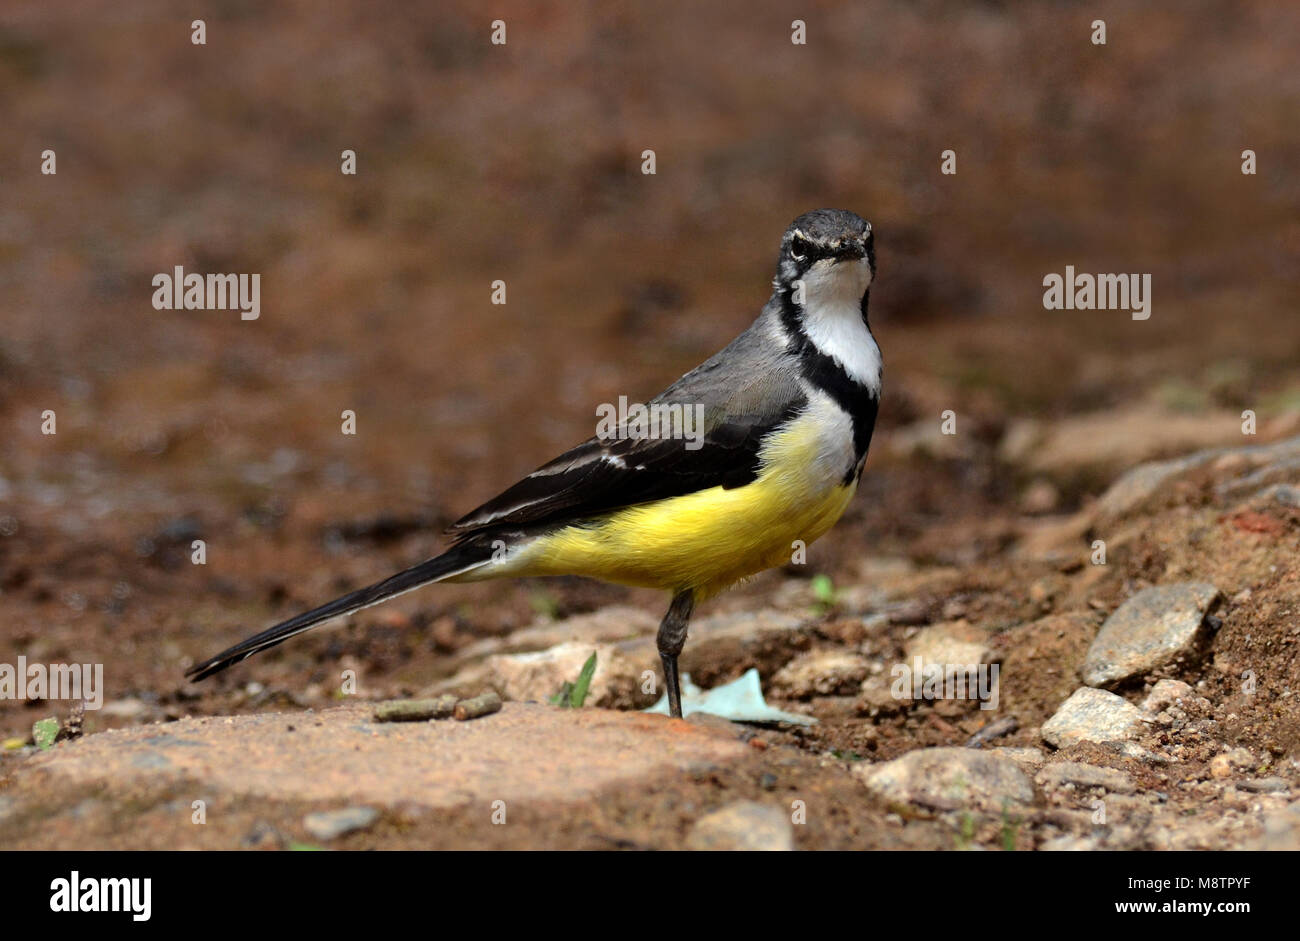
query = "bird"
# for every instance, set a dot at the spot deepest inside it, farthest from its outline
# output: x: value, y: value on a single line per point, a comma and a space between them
x: 788, y: 409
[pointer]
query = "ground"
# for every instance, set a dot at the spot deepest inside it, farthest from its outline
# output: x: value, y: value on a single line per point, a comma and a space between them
x: 1212, y: 762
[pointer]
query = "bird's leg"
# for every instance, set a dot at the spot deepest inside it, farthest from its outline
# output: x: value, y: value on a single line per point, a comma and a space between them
x: 672, y: 638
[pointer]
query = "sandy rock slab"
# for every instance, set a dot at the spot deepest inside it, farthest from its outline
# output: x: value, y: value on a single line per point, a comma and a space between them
x: 524, y: 752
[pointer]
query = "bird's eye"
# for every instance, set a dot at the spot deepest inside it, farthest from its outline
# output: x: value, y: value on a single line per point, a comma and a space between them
x: 800, y: 247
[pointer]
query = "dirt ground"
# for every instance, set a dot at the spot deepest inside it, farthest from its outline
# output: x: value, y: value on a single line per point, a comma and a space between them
x: 522, y: 163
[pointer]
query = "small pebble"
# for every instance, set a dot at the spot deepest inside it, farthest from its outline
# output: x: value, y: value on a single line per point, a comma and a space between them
x: 1269, y: 785
x: 332, y: 824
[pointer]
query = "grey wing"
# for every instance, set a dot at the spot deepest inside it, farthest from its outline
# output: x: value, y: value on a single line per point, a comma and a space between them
x: 744, y: 393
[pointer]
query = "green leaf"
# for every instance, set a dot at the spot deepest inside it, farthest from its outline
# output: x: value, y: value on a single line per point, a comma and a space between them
x: 45, y: 731
x: 305, y: 848
x: 578, y: 695
x: 823, y: 590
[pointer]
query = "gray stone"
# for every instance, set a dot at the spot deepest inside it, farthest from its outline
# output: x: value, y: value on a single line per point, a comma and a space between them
x: 943, y: 779
x: 948, y: 643
x: 720, y: 635
x: 743, y: 825
x: 1149, y: 630
x: 1285, y: 494
x: 606, y: 625
x: 1071, y: 844
x: 1281, y: 831
x: 263, y: 836
x: 125, y: 708
x: 539, y: 675
x: 332, y: 824
x: 1092, y: 715
x: 1029, y: 759
x: 1264, y: 483
x: 1231, y: 762
x: 1140, y: 483
x: 821, y: 673
x: 1166, y: 693
x: 1269, y: 785
x: 1085, y: 776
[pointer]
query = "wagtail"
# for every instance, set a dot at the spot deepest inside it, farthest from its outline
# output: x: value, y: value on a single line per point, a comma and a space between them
x: 788, y: 409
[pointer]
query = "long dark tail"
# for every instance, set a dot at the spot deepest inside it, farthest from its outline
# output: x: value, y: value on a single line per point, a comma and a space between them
x: 455, y: 561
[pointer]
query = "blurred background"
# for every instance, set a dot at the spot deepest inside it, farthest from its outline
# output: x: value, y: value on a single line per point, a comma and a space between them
x: 522, y: 163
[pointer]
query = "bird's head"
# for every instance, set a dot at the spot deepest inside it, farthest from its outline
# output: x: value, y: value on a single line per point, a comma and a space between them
x: 830, y: 247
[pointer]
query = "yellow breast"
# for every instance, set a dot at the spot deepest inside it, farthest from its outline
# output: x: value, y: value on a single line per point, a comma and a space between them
x: 711, y: 539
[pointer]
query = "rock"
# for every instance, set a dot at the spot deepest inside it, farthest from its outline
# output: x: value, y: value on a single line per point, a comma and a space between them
x: 467, y: 681
x: 993, y: 731
x: 1092, y: 715
x: 954, y: 642
x: 1029, y: 759
x: 263, y: 836
x: 1071, y: 844
x: 743, y: 825
x: 1269, y: 785
x: 1230, y: 762
x: 876, y: 697
x: 606, y: 625
x: 1142, y: 482
x: 1115, y: 437
x: 1147, y: 631
x: 1138, y: 753
x: 526, y: 753
x: 1265, y: 483
x: 1281, y: 831
x: 125, y: 708
x: 743, y: 636
x: 909, y: 611
x: 1134, y: 487
x: 943, y: 779
x: 1167, y: 693
x: 1084, y: 776
x: 821, y: 673
x: 537, y: 676
x: 1285, y: 494
x: 332, y: 824
x: 1040, y: 497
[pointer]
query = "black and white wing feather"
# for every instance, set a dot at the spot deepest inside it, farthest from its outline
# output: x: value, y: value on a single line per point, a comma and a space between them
x: 757, y: 394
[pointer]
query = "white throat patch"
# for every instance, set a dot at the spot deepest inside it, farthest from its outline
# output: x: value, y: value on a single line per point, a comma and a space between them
x: 832, y: 318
